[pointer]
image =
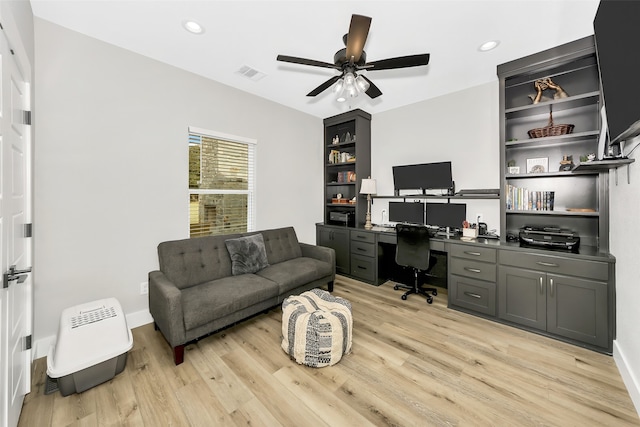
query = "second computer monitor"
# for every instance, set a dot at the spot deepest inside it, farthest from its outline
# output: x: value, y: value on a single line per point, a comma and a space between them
x: 444, y: 215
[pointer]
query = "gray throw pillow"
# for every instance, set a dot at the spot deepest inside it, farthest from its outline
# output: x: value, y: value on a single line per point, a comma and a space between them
x: 248, y: 254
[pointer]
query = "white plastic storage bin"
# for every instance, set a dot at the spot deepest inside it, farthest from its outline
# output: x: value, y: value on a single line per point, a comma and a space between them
x: 91, y: 347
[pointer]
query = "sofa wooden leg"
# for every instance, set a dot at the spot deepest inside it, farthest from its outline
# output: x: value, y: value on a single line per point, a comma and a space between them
x: 330, y: 286
x: 178, y: 354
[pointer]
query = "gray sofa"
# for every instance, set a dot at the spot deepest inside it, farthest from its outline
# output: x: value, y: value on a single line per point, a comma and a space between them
x: 200, y: 289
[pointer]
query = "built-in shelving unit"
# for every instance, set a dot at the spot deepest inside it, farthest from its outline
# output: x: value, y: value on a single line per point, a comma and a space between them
x: 347, y: 148
x: 573, y: 196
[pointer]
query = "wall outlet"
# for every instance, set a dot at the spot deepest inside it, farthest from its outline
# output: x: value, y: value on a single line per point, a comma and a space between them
x: 479, y: 218
x: 144, y: 288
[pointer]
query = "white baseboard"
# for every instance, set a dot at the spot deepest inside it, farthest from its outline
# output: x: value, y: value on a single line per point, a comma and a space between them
x: 42, y: 345
x: 631, y: 381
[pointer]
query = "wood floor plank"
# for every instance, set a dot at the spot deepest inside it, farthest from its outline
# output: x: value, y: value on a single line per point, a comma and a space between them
x: 412, y: 364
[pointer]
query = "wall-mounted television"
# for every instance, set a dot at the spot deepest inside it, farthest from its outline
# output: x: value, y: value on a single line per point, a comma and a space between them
x: 409, y: 212
x: 617, y: 37
x: 425, y: 176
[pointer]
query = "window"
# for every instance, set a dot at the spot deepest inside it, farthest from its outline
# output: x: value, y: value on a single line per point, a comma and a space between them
x: 221, y: 183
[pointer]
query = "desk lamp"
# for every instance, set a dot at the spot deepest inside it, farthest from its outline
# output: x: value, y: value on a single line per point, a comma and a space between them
x: 368, y: 187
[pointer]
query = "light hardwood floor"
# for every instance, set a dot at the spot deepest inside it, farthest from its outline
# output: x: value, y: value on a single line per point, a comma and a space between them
x: 412, y: 364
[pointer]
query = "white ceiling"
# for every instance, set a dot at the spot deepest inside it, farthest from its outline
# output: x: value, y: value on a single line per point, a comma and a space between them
x: 253, y: 33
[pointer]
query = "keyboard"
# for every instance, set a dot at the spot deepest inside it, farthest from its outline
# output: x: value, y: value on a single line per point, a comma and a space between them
x: 383, y: 228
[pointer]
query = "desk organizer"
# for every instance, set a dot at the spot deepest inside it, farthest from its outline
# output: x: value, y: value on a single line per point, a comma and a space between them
x: 470, y: 232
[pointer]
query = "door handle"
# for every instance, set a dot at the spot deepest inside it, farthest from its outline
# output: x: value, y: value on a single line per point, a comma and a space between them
x: 551, y: 284
x: 541, y: 286
x: 472, y: 253
x: 13, y: 274
x: 473, y: 270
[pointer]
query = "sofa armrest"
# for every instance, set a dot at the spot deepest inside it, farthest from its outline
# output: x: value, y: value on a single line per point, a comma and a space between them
x: 165, y: 306
x: 320, y: 252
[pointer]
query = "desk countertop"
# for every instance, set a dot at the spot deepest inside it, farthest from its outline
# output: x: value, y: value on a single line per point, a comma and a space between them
x: 586, y: 252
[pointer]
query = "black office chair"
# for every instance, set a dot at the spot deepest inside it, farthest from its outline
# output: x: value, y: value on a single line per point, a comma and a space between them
x: 413, y: 250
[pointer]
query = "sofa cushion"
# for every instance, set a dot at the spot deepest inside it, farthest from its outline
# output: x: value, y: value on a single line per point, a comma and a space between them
x: 213, y: 300
x: 296, y: 272
x: 189, y: 262
x: 248, y: 254
x: 282, y: 244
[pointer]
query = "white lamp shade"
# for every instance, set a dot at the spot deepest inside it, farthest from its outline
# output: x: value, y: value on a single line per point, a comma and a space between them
x: 368, y: 186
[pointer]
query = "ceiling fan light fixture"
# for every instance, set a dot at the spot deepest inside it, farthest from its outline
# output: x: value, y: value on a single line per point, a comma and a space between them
x: 338, y: 88
x: 362, y: 84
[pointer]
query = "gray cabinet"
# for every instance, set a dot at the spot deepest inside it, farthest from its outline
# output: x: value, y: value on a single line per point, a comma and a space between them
x: 561, y: 296
x: 363, y: 255
x: 338, y: 239
x: 472, y: 278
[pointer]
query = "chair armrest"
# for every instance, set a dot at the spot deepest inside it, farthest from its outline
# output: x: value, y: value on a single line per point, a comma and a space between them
x: 320, y: 252
x: 165, y: 305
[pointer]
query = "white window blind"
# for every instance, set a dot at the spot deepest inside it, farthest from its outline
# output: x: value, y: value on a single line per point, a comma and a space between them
x: 221, y: 183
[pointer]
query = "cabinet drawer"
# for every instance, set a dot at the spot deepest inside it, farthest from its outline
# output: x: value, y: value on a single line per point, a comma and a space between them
x: 363, y: 267
x: 473, y: 252
x: 473, y: 269
x: 362, y: 236
x: 473, y: 294
x: 362, y: 248
x: 556, y: 264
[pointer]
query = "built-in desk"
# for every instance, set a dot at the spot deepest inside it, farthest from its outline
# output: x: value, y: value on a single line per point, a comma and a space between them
x: 567, y: 296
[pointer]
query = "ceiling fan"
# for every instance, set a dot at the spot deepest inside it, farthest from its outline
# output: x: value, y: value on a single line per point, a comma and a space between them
x: 352, y: 59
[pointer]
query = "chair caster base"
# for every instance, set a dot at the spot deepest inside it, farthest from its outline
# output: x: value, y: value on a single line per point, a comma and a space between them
x: 404, y: 297
x: 396, y: 287
x: 429, y: 300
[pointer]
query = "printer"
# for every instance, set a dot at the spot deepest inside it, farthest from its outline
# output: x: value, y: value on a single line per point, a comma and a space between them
x: 549, y: 237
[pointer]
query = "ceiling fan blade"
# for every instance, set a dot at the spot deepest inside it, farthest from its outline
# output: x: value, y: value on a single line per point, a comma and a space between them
x: 324, y: 86
x: 373, y: 90
x: 303, y: 61
x: 399, y: 62
x: 358, y: 32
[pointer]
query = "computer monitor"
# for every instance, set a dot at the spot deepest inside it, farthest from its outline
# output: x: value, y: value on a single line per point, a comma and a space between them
x: 425, y: 176
x: 446, y: 215
x: 409, y: 212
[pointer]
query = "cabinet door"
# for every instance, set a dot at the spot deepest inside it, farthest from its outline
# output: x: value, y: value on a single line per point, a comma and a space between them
x: 337, y: 239
x: 577, y: 309
x: 522, y: 297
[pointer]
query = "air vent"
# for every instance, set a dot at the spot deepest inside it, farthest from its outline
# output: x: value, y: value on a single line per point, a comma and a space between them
x: 251, y: 73
x: 92, y: 316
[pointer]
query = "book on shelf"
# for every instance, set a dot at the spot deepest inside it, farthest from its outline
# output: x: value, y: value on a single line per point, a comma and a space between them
x: 522, y: 199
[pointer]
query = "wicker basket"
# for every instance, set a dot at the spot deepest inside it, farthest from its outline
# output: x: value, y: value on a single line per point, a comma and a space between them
x: 551, y: 129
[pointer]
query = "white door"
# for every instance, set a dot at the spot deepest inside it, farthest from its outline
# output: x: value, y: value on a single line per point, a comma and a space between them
x: 15, y: 248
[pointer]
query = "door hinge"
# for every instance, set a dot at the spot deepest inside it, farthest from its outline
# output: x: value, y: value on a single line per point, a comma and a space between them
x: 27, y: 342
x: 13, y: 274
x: 26, y: 118
x: 28, y: 230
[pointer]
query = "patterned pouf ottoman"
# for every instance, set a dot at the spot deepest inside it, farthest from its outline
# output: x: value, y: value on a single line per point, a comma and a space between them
x: 316, y: 328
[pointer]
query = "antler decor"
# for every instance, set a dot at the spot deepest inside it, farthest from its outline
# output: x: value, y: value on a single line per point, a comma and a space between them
x: 543, y: 84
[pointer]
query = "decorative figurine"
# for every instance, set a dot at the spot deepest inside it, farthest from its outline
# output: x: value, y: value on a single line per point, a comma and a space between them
x: 566, y: 164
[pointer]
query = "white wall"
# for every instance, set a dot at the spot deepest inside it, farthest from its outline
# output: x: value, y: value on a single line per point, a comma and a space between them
x: 460, y: 127
x: 625, y: 210
x: 111, y: 167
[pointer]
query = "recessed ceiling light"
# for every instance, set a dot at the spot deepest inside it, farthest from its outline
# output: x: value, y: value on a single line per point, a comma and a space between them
x: 491, y: 44
x: 193, y: 27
